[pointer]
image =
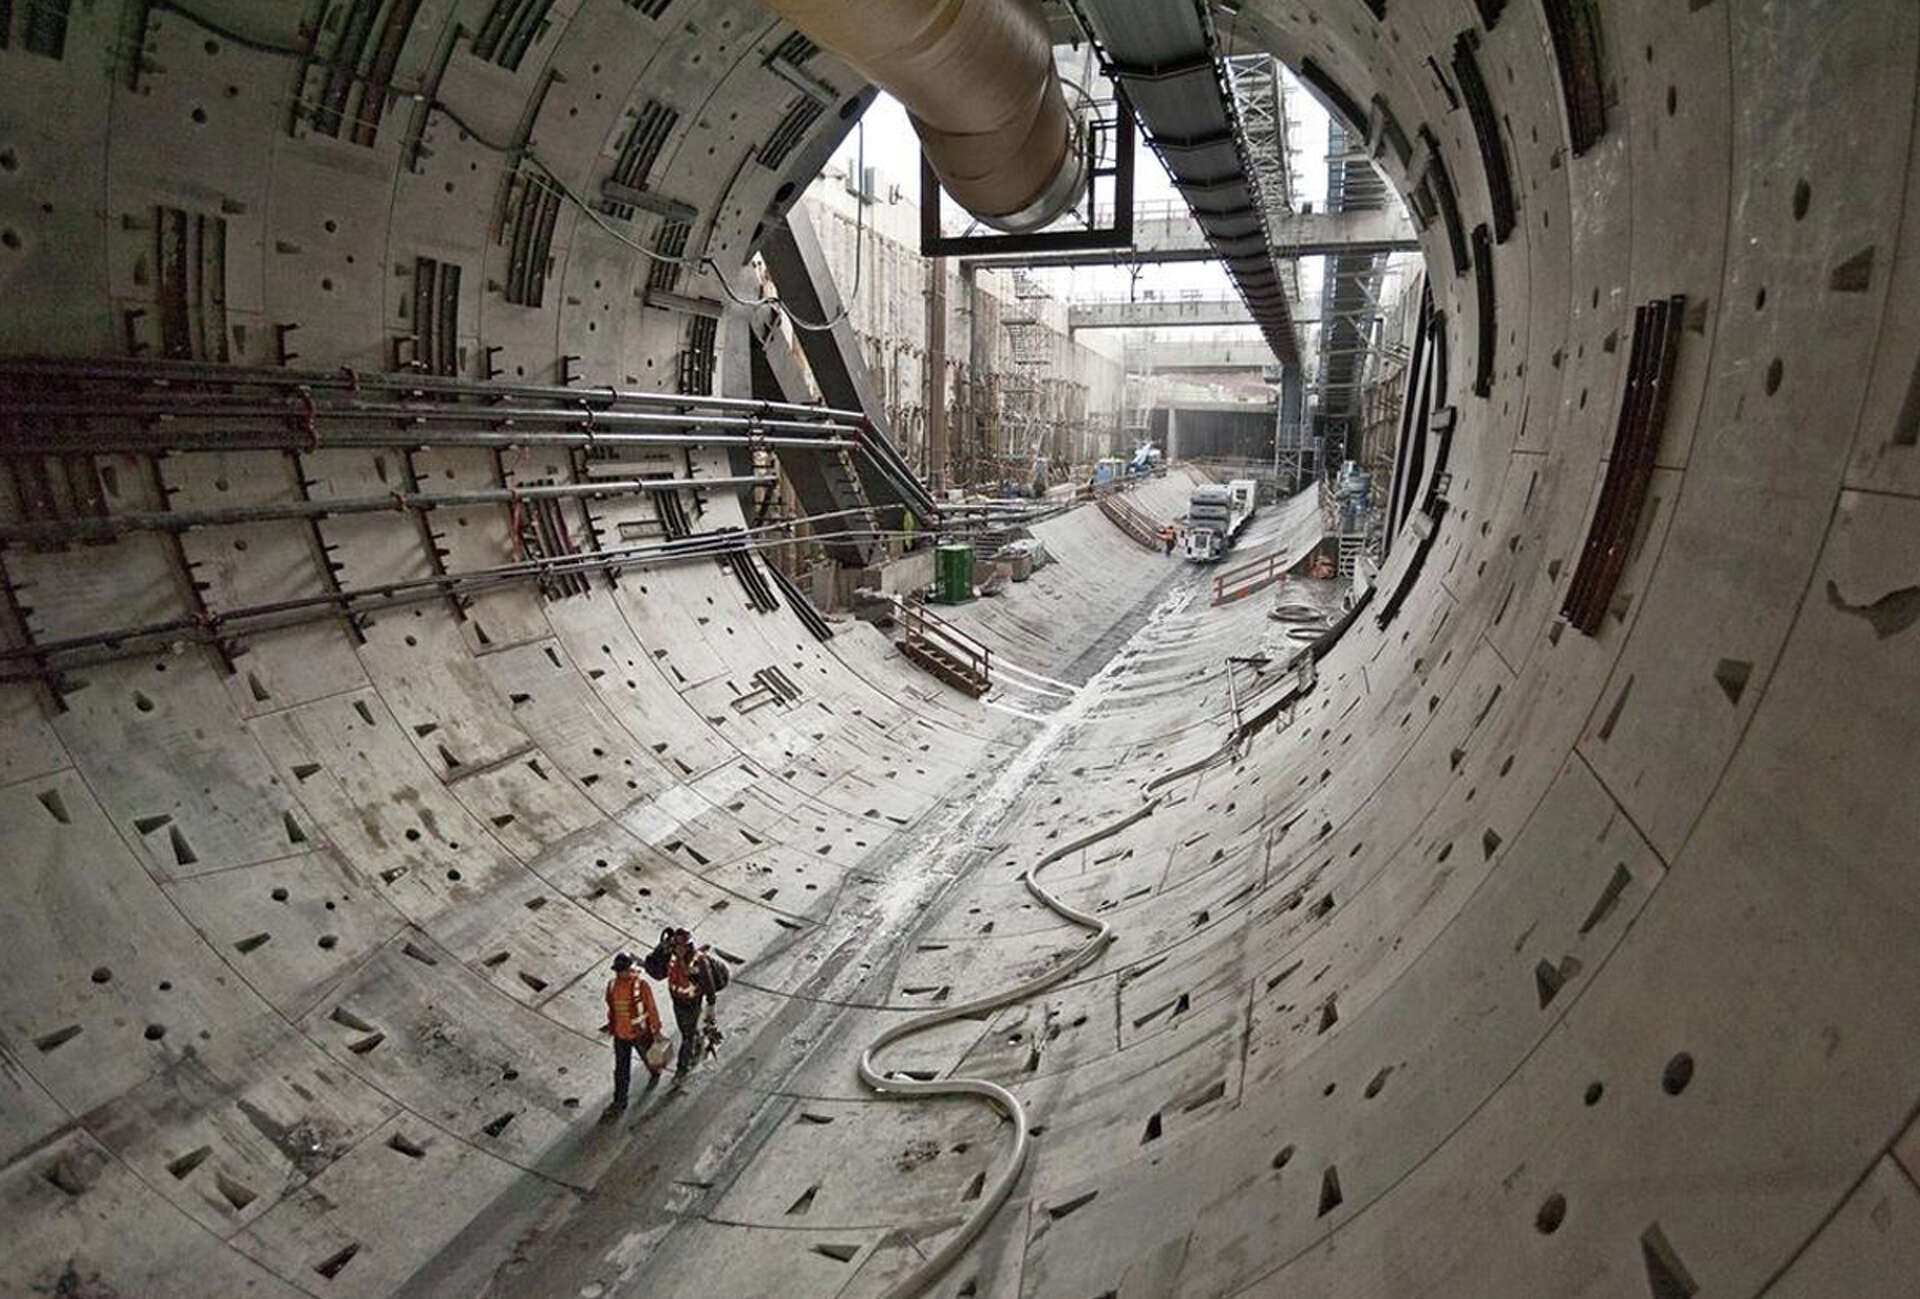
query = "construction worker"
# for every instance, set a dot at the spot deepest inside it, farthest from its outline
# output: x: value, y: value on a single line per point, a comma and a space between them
x: 1166, y: 536
x: 634, y: 1023
x: 690, y: 984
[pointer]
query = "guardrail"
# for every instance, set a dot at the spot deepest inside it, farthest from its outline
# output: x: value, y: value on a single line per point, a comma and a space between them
x: 1256, y: 575
x: 943, y: 649
x: 1132, y: 520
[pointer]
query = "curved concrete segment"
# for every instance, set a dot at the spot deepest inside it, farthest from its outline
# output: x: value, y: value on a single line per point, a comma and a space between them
x: 1483, y: 957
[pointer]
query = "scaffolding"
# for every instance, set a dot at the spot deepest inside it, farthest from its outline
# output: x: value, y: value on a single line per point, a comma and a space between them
x: 1260, y: 107
x: 1351, y: 296
x: 1295, y: 454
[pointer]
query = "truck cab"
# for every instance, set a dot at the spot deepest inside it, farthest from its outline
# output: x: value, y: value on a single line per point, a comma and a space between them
x: 1209, y: 523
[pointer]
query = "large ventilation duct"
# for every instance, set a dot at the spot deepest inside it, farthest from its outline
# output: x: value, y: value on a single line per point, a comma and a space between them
x: 979, y: 80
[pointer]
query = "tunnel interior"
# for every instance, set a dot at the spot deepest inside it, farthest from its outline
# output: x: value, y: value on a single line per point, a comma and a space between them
x: 1547, y: 929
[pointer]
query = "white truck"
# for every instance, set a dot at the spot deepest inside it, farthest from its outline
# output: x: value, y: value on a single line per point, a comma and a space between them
x: 1215, y: 516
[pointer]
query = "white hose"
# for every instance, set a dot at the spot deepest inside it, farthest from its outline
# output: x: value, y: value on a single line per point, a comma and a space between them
x: 994, y: 1094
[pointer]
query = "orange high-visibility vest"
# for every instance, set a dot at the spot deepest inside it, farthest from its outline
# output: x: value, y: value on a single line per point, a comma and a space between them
x: 629, y: 1003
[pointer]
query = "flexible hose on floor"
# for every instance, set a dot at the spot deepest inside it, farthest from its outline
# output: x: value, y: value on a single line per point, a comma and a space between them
x: 994, y: 1094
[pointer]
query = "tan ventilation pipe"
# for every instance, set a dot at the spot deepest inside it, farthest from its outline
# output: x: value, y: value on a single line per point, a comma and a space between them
x: 978, y: 78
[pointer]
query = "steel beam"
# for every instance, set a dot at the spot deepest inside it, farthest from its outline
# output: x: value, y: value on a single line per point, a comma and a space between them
x: 1174, y: 236
x: 805, y: 284
x: 822, y: 490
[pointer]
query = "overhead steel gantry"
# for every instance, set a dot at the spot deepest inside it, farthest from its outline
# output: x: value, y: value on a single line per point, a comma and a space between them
x: 1158, y: 313
x: 1169, y: 233
x: 1166, y: 60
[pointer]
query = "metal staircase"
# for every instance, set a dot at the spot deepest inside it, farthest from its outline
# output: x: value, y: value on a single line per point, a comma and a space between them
x: 943, y: 650
x: 1132, y: 520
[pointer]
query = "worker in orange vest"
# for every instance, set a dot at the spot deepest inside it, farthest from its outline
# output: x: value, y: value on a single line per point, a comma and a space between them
x: 634, y: 1022
x: 691, y: 979
x: 1166, y: 536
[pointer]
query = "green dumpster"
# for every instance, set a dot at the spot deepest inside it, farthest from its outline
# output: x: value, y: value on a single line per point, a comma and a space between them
x: 953, y: 574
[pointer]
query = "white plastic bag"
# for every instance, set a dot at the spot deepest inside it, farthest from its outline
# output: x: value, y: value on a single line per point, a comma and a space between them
x: 658, y: 1054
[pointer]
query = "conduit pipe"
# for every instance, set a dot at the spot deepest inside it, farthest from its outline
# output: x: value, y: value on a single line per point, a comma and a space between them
x: 978, y: 78
x: 110, y: 527
x: 232, y: 624
x: 165, y: 436
x: 161, y: 374
x: 414, y: 413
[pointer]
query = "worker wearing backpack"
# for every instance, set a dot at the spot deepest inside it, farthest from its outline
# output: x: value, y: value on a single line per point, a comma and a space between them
x: 694, y: 977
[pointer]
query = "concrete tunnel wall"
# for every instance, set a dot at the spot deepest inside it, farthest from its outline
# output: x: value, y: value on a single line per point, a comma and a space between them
x: 1514, y: 961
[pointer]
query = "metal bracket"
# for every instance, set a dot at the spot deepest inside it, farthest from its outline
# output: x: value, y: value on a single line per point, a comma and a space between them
x: 1118, y: 235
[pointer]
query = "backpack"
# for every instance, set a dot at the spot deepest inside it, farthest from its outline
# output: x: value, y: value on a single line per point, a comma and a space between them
x: 655, y: 963
x: 718, y: 975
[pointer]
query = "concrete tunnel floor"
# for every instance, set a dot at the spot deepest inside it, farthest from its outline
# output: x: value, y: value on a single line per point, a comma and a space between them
x: 940, y: 922
x: 1520, y: 959
x: 846, y: 888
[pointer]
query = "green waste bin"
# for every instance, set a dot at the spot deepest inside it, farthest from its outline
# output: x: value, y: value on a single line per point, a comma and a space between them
x: 953, y: 574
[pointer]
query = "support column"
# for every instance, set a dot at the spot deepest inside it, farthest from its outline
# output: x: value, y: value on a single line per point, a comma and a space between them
x: 936, y: 386
x: 976, y: 381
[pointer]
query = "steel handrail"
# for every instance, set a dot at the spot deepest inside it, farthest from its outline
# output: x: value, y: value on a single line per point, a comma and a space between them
x: 1232, y: 584
x: 1132, y: 520
x: 916, y: 619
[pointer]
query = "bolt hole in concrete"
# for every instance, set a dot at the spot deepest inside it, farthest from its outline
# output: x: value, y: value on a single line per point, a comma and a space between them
x: 1595, y: 1091
x: 1802, y: 200
x: 155, y: 1032
x: 1553, y: 1212
x: 1776, y: 371
x: 102, y: 974
x: 1330, y: 1196
x: 1678, y: 1073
